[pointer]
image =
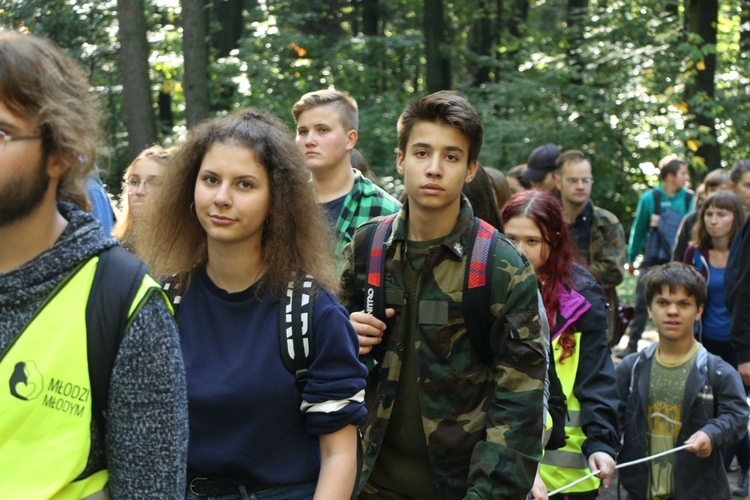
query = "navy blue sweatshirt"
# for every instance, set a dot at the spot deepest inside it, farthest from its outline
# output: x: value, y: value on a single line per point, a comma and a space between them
x: 246, y: 422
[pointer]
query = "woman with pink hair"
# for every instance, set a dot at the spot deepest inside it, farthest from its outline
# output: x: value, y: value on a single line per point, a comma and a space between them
x: 535, y: 222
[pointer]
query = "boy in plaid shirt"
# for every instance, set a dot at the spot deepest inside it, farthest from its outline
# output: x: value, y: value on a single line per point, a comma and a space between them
x: 327, y: 123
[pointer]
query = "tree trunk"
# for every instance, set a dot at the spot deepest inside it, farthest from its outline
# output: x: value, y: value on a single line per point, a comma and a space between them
x: 485, y: 36
x: 195, y: 50
x: 136, y: 84
x: 701, y: 19
x: 370, y: 17
x: 745, y: 29
x: 672, y: 8
x: 438, y: 66
x: 576, y: 21
x: 518, y: 17
x: 230, y: 20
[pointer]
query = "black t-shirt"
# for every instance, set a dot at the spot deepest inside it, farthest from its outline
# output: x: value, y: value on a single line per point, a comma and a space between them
x: 333, y: 209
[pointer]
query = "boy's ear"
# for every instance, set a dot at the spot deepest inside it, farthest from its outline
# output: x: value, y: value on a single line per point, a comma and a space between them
x: 471, y: 171
x: 351, y: 139
x: 700, y: 312
x: 400, y: 162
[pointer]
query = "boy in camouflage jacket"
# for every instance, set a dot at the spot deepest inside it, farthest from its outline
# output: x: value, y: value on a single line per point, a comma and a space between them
x: 442, y: 422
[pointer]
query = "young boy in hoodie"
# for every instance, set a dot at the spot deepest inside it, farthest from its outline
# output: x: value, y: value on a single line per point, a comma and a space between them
x: 674, y: 393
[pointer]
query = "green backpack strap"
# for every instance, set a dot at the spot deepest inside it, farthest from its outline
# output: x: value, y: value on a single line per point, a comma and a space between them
x: 118, y: 277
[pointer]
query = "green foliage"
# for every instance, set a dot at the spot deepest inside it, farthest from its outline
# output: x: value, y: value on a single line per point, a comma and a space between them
x: 88, y: 32
x: 612, y: 85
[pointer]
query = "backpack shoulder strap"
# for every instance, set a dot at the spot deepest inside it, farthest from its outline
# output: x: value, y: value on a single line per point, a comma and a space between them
x: 688, y: 200
x: 711, y: 363
x: 477, y: 282
x: 117, y: 279
x: 697, y: 261
x: 295, y: 327
x: 657, y: 201
x: 374, y: 289
x: 173, y: 290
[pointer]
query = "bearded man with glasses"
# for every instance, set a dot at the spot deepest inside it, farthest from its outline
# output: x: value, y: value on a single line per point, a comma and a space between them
x: 94, y: 400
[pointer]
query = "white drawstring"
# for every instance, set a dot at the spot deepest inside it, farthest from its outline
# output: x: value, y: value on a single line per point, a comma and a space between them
x: 620, y: 466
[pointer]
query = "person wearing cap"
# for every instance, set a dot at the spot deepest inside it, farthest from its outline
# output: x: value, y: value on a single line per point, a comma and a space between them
x: 541, y: 168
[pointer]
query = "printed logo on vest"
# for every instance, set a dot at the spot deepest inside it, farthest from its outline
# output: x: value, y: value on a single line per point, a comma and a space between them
x: 26, y: 382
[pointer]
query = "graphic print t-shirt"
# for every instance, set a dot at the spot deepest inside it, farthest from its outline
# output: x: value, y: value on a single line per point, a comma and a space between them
x: 665, y: 418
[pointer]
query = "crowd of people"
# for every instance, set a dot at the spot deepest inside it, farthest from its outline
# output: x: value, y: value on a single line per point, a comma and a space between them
x: 303, y: 334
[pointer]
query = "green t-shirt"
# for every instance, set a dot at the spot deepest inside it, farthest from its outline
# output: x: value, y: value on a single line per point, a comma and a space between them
x: 403, y: 464
x: 664, y: 415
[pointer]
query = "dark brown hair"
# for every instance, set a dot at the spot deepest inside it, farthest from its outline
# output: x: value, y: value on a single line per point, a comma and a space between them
x: 500, y: 186
x: 674, y: 275
x: 479, y: 193
x: 449, y: 109
x: 670, y: 165
x: 39, y: 81
x: 296, y: 236
x: 726, y: 200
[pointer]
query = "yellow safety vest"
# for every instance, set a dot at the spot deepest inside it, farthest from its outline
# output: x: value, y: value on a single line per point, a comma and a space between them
x: 565, y: 465
x: 45, y: 399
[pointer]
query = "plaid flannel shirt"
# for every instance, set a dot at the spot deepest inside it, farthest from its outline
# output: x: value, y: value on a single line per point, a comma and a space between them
x: 364, y: 201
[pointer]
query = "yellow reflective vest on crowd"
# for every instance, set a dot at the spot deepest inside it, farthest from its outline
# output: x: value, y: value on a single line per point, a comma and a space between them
x: 45, y: 399
x: 567, y: 464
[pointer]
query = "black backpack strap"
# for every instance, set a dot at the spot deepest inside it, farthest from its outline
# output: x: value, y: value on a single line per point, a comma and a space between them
x: 295, y: 327
x: 657, y: 201
x: 477, y: 282
x: 711, y: 363
x: 117, y: 279
x: 173, y: 289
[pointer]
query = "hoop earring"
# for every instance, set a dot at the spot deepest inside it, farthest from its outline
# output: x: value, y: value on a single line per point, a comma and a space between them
x: 191, y: 209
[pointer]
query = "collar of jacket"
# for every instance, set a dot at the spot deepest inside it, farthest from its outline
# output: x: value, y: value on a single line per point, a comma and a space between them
x: 457, y: 241
x: 701, y: 362
x: 572, y: 306
x: 362, y: 186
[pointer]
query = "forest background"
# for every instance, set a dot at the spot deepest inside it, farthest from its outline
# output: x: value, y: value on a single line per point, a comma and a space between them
x: 625, y: 81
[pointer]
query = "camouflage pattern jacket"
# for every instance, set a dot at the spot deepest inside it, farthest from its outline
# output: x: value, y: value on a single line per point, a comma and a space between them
x: 482, y: 423
x: 607, y: 249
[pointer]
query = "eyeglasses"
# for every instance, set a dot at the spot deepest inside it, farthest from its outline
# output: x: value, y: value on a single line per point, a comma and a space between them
x: 576, y: 180
x: 10, y: 138
x: 148, y: 184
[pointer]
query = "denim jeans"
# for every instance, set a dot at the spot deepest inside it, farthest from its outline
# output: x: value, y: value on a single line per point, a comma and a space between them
x: 294, y: 492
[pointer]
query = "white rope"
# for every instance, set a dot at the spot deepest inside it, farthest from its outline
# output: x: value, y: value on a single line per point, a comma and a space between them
x: 620, y: 466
